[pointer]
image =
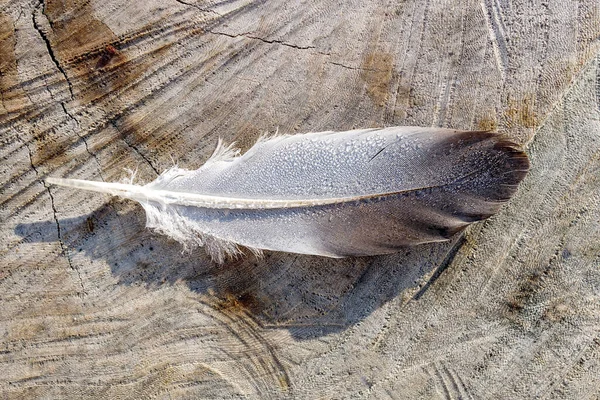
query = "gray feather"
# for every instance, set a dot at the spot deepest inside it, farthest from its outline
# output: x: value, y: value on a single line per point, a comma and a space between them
x: 335, y: 194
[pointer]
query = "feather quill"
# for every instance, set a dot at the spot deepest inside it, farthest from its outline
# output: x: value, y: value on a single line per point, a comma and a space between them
x: 334, y: 194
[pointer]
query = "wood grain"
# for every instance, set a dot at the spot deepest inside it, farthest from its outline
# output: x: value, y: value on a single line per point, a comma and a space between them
x: 94, y: 305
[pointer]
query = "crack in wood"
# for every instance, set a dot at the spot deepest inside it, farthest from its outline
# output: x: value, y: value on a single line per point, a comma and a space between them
x: 351, y: 67
x: 196, y: 6
x: 82, y: 138
x: 49, y: 49
x: 63, y: 247
x: 61, y: 242
x: 58, y: 65
x: 274, y: 41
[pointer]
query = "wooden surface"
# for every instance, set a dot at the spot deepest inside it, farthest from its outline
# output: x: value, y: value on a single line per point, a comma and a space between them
x: 94, y: 305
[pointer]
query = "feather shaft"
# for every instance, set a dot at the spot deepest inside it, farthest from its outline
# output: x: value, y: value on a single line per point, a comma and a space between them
x: 167, y: 197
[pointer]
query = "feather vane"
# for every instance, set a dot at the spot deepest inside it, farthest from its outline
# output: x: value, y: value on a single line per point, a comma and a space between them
x: 334, y: 194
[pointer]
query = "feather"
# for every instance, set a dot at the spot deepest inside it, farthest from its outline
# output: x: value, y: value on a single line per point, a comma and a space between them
x: 334, y: 194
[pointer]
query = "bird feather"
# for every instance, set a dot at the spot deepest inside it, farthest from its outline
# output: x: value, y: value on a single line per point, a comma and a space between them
x: 334, y: 194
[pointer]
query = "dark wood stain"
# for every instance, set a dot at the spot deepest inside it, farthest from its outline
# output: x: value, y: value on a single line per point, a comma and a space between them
x: 239, y: 303
x: 377, y: 69
x: 98, y: 65
x: 521, y: 112
x: 78, y: 35
x: 239, y: 307
x: 107, y: 56
x: 106, y: 72
x: 50, y: 149
x: 94, y: 57
x: 75, y: 30
x: 487, y: 123
x: 525, y: 295
x: 12, y: 96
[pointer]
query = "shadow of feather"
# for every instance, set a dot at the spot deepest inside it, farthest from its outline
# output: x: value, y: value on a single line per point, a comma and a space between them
x: 308, y: 295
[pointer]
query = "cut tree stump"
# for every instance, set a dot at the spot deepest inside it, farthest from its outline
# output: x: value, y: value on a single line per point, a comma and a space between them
x: 93, y: 305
